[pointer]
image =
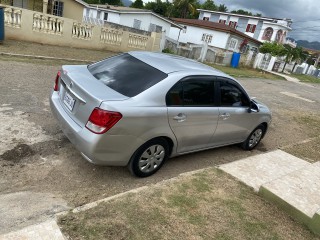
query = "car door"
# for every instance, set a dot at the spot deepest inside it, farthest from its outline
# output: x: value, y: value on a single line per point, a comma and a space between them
x: 192, y: 112
x: 234, y: 122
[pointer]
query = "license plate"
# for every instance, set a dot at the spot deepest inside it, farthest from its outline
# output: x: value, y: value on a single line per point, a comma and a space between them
x: 69, y: 101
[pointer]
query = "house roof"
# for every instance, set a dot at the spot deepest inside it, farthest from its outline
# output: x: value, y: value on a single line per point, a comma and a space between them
x: 214, y: 26
x: 129, y: 10
x: 245, y: 16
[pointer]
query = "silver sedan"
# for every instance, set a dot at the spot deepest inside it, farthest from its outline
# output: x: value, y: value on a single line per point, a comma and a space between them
x: 137, y: 109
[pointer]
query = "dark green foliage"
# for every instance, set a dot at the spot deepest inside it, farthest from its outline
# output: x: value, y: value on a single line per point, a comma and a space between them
x: 137, y: 4
x: 242, y: 12
x: 209, y: 5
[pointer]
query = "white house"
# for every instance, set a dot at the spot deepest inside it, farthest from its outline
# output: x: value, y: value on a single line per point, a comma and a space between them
x: 260, y: 28
x: 216, y: 35
x: 141, y: 19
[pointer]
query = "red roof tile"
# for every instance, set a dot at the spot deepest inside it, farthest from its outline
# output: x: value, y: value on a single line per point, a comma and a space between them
x: 213, y: 26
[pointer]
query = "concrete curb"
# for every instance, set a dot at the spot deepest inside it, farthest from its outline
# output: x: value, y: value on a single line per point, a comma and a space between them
x: 50, y: 230
x: 43, y: 57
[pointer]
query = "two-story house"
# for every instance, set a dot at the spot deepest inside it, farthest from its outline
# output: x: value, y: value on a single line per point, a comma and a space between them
x: 260, y: 28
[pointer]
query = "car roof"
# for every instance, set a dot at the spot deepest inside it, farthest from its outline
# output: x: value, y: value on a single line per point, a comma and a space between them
x: 169, y: 63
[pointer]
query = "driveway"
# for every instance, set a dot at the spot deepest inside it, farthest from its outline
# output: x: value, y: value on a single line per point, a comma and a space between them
x: 41, y: 173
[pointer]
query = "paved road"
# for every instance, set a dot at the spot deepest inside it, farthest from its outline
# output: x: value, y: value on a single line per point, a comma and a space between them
x: 41, y: 173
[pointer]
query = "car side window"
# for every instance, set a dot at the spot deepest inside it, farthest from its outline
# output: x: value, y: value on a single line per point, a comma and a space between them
x: 232, y: 95
x: 192, y: 92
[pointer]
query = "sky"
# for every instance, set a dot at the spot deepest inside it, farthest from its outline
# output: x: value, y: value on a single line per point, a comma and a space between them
x: 304, y: 13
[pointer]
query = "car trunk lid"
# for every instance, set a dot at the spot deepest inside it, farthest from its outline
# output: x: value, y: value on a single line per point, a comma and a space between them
x: 80, y: 93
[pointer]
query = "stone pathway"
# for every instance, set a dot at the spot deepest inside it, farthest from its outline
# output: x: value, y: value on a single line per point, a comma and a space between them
x: 48, y: 230
x: 291, y: 183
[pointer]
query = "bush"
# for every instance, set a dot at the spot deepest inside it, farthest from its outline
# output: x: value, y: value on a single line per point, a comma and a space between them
x: 167, y: 50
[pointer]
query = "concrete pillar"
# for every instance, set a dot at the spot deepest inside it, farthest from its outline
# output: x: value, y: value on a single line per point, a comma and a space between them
x: 317, y: 61
x: 271, y: 63
x: 45, y: 6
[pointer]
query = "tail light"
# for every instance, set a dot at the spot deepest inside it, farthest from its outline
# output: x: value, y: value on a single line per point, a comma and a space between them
x: 100, y: 121
x: 56, y: 83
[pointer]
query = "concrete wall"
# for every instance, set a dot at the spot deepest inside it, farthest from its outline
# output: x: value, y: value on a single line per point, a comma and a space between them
x: 26, y: 25
x: 72, y: 9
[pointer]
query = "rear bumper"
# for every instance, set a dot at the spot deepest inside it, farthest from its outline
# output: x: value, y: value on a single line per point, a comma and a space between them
x: 104, y: 149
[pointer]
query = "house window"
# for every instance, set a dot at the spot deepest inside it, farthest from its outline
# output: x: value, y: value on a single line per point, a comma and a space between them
x: 87, y: 12
x: 279, y: 36
x: 222, y: 21
x: 105, y: 16
x: 267, y: 35
x: 233, y: 24
x: 158, y: 29
x: 205, y: 19
x: 98, y: 14
x: 58, y: 8
x: 233, y: 44
x: 154, y: 28
x: 251, y: 28
x: 206, y: 38
x: 136, y: 24
x: 184, y: 30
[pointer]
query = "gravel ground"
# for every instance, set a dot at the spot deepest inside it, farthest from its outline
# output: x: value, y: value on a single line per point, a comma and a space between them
x: 36, y: 157
x: 12, y: 46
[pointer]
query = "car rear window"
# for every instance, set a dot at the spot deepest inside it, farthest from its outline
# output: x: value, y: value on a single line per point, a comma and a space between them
x: 126, y: 74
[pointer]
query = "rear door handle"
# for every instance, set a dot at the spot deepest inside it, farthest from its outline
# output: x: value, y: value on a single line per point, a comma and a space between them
x: 180, y: 117
x: 225, y: 116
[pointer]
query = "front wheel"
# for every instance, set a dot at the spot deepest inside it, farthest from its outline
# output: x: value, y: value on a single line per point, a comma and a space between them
x: 254, y: 138
x: 149, y: 158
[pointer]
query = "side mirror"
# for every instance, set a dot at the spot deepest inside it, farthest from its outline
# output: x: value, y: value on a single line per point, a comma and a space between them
x: 253, y: 107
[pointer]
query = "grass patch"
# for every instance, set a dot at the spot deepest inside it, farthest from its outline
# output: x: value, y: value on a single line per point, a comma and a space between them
x: 311, y: 122
x: 306, y: 78
x: 243, y: 72
x: 210, y: 205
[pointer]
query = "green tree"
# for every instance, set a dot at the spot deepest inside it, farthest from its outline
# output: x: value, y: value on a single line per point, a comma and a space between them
x: 222, y: 8
x: 209, y: 5
x: 300, y: 56
x: 242, y: 12
x: 185, y: 8
x: 137, y: 4
x: 275, y: 49
x: 159, y: 7
x: 290, y: 53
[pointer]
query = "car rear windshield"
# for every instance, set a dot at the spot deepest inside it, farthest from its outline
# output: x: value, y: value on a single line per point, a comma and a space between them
x: 126, y: 74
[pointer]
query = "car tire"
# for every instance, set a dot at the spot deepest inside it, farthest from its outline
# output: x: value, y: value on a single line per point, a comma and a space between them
x: 254, y: 138
x: 149, y: 158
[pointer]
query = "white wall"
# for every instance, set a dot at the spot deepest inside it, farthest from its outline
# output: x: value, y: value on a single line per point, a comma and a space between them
x: 114, y: 17
x: 275, y: 30
x: 194, y: 35
x: 146, y: 19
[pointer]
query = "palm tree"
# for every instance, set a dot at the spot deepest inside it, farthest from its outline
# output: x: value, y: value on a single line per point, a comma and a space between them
x: 222, y: 8
x: 300, y: 56
x: 289, y: 53
x: 186, y: 7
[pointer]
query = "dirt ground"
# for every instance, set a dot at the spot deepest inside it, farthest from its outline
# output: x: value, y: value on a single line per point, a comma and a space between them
x: 35, y: 157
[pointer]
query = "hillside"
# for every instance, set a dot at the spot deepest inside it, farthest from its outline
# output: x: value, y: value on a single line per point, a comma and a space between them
x: 311, y: 45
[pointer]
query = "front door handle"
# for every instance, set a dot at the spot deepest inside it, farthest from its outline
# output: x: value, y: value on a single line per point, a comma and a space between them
x: 180, y: 117
x: 225, y: 116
